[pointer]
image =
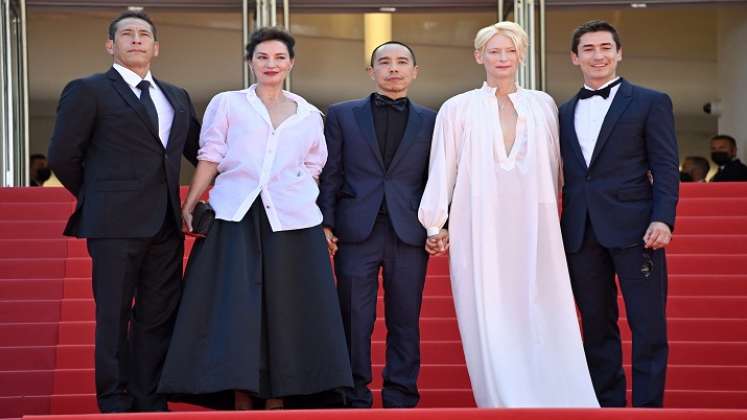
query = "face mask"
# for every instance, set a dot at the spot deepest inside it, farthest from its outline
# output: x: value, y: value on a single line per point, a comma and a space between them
x: 720, y: 158
x: 685, y: 177
x: 43, y: 174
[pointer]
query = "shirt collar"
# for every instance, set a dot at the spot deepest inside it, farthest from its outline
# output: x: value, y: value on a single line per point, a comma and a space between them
x: 487, y: 89
x: 303, y: 106
x: 604, y: 85
x: 132, y: 78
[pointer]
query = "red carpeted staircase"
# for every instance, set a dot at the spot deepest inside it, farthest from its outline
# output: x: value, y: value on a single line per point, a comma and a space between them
x: 46, y: 310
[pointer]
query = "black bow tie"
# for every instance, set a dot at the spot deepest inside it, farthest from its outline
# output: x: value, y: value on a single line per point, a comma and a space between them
x: 604, y: 92
x: 396, y: 104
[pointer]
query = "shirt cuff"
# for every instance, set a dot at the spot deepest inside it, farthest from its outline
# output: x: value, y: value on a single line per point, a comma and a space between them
x: 433, y: 231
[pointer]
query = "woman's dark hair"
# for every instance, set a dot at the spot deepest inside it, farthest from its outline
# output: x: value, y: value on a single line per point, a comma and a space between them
x: 134, y: 15
x: 270, y: 34
x: 594, y: 26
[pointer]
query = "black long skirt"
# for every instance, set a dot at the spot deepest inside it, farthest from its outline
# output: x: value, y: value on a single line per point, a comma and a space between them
x: 259, y: 313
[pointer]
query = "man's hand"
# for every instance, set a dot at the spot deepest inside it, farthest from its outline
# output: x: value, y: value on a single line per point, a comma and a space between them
x: 438, y: 244
x: 657, y: 235
x: 331, y: 241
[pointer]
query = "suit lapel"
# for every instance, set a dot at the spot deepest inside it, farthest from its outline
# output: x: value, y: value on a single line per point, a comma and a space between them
x: 617, y: 108
x: 364, y: 118
x: 126, y: 93
x: 414, y: 120
x: 178, y: 111
x: 569, y: 122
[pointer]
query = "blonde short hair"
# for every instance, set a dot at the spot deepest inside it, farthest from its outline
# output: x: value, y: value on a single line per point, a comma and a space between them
x: 512, y: 30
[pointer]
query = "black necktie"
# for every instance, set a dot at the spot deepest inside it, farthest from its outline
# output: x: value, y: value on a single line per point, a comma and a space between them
x: 396, y: 104
x: 147, y: 102
x: 604, y: 92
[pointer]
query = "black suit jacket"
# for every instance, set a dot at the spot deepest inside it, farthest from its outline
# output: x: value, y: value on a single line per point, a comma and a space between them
x: 106, y: 152
x: 637, y: 136
x: 354, y: 181
x: 732, y: 171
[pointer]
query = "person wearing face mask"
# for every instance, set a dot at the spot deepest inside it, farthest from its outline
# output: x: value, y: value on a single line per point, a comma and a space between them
x: 694, y: 169
x: 259, y: 323
x: 39, y: 172
x: 495, y: 175
x: 724, y: 154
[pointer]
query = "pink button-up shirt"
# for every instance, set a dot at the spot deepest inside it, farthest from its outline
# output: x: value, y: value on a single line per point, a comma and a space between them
x: 280, y: 165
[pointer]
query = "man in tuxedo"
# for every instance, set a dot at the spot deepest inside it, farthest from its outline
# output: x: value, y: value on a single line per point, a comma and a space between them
x: 724, y: 154
x: 117, y: 146
x: 370, y: 190
x: 621, y: 173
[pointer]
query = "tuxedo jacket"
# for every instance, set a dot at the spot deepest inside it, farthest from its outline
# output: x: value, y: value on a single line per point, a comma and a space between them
x: 355, y: 181
x: 614, y: 191
x: 105, y: 151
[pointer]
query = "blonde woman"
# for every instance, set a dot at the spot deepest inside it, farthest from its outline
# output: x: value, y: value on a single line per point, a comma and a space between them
x: 495, y: 174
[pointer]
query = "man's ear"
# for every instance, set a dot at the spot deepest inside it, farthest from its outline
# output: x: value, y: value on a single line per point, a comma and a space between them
x: 574, y: 58
x: 155, y: 49
x: 109, y: 45
x: 415, y: 71
x: 370, y: 72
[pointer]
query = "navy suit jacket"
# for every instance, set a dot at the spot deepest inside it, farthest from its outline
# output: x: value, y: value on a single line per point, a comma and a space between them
x: 354, y: 181
x: 615, y: 192
x: 106, y: 152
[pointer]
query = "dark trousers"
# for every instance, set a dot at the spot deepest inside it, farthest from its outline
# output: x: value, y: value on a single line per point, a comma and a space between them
x: 132, y: 338
x: 357, y: 268
x: 643, y: 280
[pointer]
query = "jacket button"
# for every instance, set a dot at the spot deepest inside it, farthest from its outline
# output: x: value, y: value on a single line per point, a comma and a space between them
x: 588, y: 177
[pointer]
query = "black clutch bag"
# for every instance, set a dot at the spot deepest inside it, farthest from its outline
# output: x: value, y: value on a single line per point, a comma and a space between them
x: 203, y: 217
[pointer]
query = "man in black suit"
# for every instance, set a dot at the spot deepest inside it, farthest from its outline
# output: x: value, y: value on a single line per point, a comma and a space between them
x: 117, y: 146
x: 620, y: 166
x: 370, y: 190
x: 724, y: 154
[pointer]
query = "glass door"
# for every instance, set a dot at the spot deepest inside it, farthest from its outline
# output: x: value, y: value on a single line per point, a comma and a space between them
x: 14, y: 101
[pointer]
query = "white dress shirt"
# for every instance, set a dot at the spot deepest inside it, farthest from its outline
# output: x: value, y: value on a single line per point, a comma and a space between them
x: 163, y: 106
x: 589, y: 117
x: 254, y: 159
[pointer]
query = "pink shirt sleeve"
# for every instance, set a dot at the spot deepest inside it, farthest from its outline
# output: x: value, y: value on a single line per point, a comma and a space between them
x: 214, y: 130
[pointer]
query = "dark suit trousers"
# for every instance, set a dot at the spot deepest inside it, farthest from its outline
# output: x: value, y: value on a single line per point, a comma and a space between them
x: 357, y: 268
x: 132, y: 339
x: 643, y: 280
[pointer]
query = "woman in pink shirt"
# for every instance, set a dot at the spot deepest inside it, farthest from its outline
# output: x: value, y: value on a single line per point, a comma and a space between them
x: 259, y: 321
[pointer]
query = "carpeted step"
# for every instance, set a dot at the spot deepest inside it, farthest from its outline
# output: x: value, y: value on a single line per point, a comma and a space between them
x: 81, y: 381
x: 711, y: 225
x: 33, y: 248
x: 709, y: 206
x: 432, y: 352
x: 433, y: 307
x: 435, y: 285
x: 33, y: 289
x: 41, y: 229
x: 431, y: 329
x: 35, y: 195
x: 40, y: 268
x: 14, y: 334
x: 716, y: 189
x: 35, y: 211
x: 707, y: 244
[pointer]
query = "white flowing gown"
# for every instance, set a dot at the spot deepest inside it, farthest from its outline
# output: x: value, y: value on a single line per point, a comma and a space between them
x: 509, y: 276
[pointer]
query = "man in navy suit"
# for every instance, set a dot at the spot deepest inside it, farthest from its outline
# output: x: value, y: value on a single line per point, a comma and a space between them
x: 621, y: 186
x: 370, y: 190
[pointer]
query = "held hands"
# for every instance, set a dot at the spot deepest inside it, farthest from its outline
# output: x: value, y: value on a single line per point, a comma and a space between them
x: 438, y: 244
x: 657, y: 235
x: 331, y: 241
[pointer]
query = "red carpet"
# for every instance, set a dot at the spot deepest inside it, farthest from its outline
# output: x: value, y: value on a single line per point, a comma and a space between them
x: 46, y: 320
